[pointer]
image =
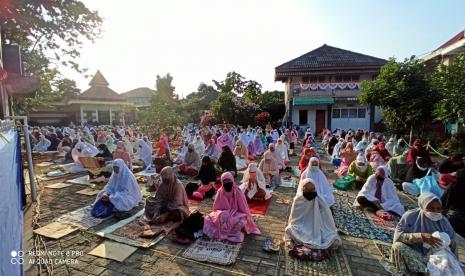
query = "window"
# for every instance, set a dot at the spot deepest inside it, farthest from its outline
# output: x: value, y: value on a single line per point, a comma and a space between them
x: 353, y: 113
x: 321, y: 79
x: 350, y: 113
x: 303, y: 117
x: 346, y: 78
x: 355, y: 78
x: 305, y: 79
x: 344, y: 113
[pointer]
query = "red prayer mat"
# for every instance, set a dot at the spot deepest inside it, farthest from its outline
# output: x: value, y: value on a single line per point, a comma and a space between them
x: 259, y: 207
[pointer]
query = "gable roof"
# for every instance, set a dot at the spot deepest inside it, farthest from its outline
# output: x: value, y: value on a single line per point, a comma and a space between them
x: 99, y: 90
x: 141, y: 92
x: 453, y: 40
x: 328, y: 56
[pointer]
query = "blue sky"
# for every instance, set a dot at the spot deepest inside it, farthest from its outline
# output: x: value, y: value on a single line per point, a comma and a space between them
x: 197, y: 41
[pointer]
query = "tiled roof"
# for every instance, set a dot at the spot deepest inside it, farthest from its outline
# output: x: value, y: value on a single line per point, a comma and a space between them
x: 455, y: 39
x: 141, y: 92
x: 327, y: 56
x: 99, y: 90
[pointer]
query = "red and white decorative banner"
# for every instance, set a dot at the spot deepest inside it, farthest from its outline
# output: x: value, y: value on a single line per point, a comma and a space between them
x: 331, y: 85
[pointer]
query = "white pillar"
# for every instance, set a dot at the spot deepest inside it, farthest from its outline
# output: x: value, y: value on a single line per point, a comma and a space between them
x: 96, y: 115
x: 82, y: 116
x: 111, y: 117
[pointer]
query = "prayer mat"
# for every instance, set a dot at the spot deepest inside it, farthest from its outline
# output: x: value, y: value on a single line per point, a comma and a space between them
x: 57, y: 186
x: 213, y: 251
x: 113, y: 250
x: 384, y: 249
x: 296, y: 171
x: 282, y: 200
x: 45, y: 164
x: 336, y: 264
x: 380, y: 222
x: 88, y: 191
x: 288, y: 183
x: 55, y: 230
x: 81, y: 218
x: 128, y: 231
x: 352, y: 221
x: 259, y: 207
x: 82, y: 180
x: 193, y: 200
x: 55, y: 173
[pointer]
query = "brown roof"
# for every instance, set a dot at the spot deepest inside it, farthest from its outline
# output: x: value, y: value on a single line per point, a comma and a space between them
x: 328, y: 58
x: 455, y: 39
x: 99, y: 90
x: 141, y: 92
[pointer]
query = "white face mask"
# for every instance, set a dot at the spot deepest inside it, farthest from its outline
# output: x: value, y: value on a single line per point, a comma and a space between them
x: 433, y: 216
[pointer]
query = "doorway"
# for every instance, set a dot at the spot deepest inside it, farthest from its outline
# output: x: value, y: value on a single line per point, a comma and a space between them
x: 303, y: 117
x: 320, y: 120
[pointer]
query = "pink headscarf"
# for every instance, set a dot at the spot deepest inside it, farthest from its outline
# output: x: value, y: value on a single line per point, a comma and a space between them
x: 236, y: 202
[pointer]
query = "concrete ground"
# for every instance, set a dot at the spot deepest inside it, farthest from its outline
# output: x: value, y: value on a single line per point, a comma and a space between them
x: 166, y: 258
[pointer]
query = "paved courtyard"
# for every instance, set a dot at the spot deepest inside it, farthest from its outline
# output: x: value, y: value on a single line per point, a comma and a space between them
x: 165, y: 258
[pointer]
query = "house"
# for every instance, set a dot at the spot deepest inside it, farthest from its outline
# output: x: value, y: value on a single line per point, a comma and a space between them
x: 99, y: 104
x: 140, y: 97
x: 321, y: 89
x: 446, y: 53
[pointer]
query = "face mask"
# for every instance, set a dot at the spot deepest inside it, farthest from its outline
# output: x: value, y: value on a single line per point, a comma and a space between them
x: 190, y: 150
x: 309, y: 195
x: 227, y: 186
x: 380, y: 178
x: 314, y: 169
x: 401, y: 144
x: 79, y: 150
x: 253, y: 174
x: 116, y: 170
x: 433, y: 216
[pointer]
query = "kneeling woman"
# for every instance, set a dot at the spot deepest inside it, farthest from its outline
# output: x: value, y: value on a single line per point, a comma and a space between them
x: 169, y: 203
x: 254, y: 184
x: 231, y: 215
x: 409, y: 254
x: 311, y: 228
x: 122, y: 193
x: 379, y: 193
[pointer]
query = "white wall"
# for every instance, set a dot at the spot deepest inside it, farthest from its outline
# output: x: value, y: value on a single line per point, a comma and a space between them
x: 353, y: 123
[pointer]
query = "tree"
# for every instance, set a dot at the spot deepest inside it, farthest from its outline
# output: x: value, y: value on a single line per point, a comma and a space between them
x: 196, y: 102
x: 164, y: 110
x: 402, y: 91
x: 50, y: 34
x: 449, y: 84
x: 262, y: 118
x: 273, y: 103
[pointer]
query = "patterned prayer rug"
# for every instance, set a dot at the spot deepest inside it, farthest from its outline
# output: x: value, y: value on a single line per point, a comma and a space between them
x: 353, y: 222
x: 81, y: 218
x: 213, y: 251
x: 336, y: 264
x: 379, y: 222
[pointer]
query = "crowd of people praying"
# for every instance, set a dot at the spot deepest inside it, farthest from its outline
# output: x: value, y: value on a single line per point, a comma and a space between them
x: 236, y: 166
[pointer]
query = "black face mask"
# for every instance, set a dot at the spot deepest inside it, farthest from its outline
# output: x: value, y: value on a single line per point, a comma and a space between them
x: 380, y: 178
x: 227, y: 186
x: 310, y: 195
x: 401, y: 144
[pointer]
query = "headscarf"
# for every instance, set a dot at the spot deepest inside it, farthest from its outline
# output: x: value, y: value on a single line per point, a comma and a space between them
x: 260, y: 180
x: 258, y: 145
x: 234, y: 202
x: 207, y: 172
x: 192, y: 158
x: 199, y: 145
x: 211, y: 150
x: 54, y: 142
x: 227, y: 160
x: 311, y: 222
x: 322, y: 186
x: 106, y: 154
x: 270, y: 167
x: 361, y: 158
x: 170, y: 196
x: 144, y: 153
x: 240, y: 150
x: 415, y: 221
x: 121, y: 152
x: 82, y: 149
x: 43, y: 144
x: 122, y: 188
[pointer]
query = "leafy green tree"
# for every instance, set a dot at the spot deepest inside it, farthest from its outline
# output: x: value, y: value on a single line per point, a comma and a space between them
x: 50, y: 34
x: 165, y: 107
x: 403, y: 92
x: 273, y: 103
x: 196, y: 102
x: 449, y: 84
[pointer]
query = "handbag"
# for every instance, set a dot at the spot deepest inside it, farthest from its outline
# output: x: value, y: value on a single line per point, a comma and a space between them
x: 344, y: 183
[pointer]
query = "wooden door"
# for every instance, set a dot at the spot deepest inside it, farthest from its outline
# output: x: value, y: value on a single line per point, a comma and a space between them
x: 320, y: 120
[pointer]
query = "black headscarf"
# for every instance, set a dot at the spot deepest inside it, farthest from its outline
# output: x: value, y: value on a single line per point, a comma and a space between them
x: 54, y: 142
x: 207, y: 172
x: 227, y: 161
x: 106, y: 154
